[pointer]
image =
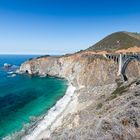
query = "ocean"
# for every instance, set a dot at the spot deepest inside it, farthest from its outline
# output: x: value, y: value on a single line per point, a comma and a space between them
x: 25, y: 99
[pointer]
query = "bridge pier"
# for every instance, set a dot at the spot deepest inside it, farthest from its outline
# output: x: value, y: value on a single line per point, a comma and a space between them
x: 120, y: 65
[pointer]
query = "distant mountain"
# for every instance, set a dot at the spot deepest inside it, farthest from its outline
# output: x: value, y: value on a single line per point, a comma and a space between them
x: 116, y: 41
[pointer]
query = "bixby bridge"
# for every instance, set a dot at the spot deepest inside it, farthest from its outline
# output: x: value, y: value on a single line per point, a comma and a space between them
x: 123, y: 60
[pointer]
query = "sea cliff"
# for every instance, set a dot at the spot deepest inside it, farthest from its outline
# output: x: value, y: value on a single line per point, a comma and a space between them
x: 80, y: 69
x: 101, y: 106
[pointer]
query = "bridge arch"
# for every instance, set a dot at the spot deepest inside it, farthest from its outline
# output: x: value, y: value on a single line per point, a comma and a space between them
x: 126, y: 64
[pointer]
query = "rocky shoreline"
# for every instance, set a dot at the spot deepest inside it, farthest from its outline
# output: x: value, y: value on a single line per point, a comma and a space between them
x: 102, y: 116
x: 54, y: 116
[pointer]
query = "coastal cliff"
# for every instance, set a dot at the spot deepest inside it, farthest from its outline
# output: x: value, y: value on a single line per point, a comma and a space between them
x: 95, y: 79
x: 102, y: 107
x: 80, y: 69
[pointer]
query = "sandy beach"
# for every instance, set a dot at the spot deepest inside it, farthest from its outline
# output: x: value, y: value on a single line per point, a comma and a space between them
x: 54, y: 116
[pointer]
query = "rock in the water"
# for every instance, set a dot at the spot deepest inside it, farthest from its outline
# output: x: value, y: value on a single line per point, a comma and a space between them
x: 6, y: 65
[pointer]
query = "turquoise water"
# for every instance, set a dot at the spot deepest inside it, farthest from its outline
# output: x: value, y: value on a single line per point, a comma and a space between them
x: 23, y: 96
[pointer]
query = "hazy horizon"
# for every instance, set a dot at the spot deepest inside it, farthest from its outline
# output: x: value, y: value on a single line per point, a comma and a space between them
x: 60, y: 27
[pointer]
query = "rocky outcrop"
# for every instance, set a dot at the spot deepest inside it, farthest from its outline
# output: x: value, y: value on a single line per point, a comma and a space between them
x: 80, y: 69
x: 133, y: 69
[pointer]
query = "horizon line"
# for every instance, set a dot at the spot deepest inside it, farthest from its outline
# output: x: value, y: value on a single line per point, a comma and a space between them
x: 4, y: 53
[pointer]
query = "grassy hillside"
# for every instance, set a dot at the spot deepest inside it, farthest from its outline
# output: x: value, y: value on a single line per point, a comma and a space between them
x: 116, y: 41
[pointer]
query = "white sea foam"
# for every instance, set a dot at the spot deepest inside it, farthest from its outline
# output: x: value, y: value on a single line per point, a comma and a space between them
x: 13, y: 75
x: 51, y: 116
x: 10, y: 72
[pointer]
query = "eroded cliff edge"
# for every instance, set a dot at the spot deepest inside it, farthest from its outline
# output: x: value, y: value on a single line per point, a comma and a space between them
x: 105, y: 109
x: 80, y: 69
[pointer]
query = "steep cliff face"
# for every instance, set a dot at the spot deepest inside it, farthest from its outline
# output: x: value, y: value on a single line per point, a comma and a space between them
x: 133, y: 69
x: 104, y: 107
x: 80, y: 69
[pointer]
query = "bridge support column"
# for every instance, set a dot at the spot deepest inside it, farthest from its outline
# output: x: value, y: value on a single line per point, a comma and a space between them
x: 120, y: 65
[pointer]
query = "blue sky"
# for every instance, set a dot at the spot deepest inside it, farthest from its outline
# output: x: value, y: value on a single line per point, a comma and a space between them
x: 62, y: 26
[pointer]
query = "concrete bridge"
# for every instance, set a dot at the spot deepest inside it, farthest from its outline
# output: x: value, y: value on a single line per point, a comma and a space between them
x: 123, y: 60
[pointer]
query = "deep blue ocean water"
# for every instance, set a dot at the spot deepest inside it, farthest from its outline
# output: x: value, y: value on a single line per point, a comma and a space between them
x: 23, y: 97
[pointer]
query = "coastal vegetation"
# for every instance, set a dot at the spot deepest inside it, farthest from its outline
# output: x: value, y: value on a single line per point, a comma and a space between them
x: 116, y: 41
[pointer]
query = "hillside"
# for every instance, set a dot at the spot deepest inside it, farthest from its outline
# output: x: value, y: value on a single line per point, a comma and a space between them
x: 98, y: 104
x: 102, y: 107
x: 117, y: 41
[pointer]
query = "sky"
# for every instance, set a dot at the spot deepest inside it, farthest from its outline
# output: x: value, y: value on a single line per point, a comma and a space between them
x: 62, y: 26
